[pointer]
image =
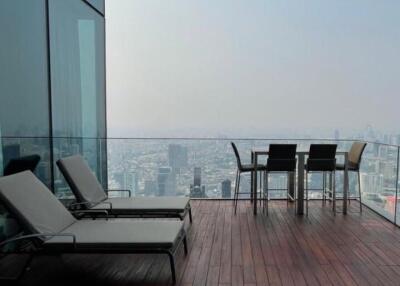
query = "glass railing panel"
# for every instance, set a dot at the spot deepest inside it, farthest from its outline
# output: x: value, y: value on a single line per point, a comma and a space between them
x: 93, y: 151
x: 378, y: 178
x: 397, y: 207
x: 199, y: 168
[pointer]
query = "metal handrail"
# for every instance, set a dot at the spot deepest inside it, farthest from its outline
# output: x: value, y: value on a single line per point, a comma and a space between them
x: 201, y: 138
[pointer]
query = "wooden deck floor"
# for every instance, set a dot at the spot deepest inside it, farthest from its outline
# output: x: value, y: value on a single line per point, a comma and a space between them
x: 224, y: 249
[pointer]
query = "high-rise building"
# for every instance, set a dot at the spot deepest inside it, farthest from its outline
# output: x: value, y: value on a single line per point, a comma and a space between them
x: 127, y: 181
x: 197, y: 191
x: 177, y: 156
x: 197, y: 176
x: 226, y: 189
x: 150, y: 188
x: 166, y: 180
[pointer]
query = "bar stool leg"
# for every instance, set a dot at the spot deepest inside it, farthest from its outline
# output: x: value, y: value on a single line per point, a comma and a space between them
x: 334, y: 192
x: 260, y: 186
x: 348, y: 193
x: 235, y: 190
x: 237, y: 196
x: 295, y: 192
x: 263, y: 195
x: 287, y: 190
x: 359, y: 189
x: 264, y: 192
x: 330, y: 186
x: 323, y: 187
x: 266, y: 185
x: 306, y: 193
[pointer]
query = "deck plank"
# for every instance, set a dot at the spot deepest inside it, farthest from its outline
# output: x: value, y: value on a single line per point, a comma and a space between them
x: 243, y: 249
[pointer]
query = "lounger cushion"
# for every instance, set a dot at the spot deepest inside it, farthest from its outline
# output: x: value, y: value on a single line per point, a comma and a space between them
x: 119, y: 234
x: 81, y: 179
x: 143, y: 204
x: 33, y: 203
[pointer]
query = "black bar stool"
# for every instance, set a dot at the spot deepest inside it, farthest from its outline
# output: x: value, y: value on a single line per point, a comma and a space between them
x: 281, y: 159
x: 241, y: 168
x: 322, y: 159
x: 353, y: 165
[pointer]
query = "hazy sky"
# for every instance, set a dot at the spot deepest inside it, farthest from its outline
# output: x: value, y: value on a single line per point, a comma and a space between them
x: 251, y: 67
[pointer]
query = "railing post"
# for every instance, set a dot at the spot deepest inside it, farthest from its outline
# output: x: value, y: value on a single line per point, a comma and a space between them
x: 397, y: 185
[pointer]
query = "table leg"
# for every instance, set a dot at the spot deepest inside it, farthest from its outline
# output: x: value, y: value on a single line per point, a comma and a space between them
x: 300, y: 185
x: 346, y: 184
x: 291, y: 185
x: 254, y: 176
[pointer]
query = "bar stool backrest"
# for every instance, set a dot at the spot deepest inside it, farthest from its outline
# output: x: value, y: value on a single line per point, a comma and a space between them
x: 281, y: 158
x: 282, y: 151
x: 322, y: 157
x: 235, y: 150
x: 355, y: 154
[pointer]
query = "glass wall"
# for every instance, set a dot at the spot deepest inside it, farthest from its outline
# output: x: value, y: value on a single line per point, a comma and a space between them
x: 52, y: 85
x: 24, y: 106
x: 77, y: 77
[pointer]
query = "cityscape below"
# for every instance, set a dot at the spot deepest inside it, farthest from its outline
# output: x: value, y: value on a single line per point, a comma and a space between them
x: 206, y: 168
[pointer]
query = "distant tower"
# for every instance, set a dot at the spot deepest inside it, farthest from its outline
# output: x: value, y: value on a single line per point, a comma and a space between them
x: 197, y: 191
x: 226, y: 189
x: 177, y: 156
x: 337, y: 135
x: 132, y: 182
x: 197, y: 177
x: 150, y: 188
x: 166, y: 180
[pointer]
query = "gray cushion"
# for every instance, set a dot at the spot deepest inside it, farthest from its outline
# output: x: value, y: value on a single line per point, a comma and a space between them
x: 141, y: 204
x: 115, y: 234
x: 81, y: 179
x: 33, y: 203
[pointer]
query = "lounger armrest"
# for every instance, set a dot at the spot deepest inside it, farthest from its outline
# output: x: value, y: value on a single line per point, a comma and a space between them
x: 92, y: 213
x: 73, y: 206
x: 38, y: 235
x: 127, y: 191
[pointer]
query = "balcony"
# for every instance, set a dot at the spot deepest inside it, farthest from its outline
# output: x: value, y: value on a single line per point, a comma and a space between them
x: 198, y: 69
x: 225, y: 249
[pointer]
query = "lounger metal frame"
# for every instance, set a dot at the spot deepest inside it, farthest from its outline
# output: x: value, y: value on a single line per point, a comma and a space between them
x: 40, y: 249
x: 132, y: 213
